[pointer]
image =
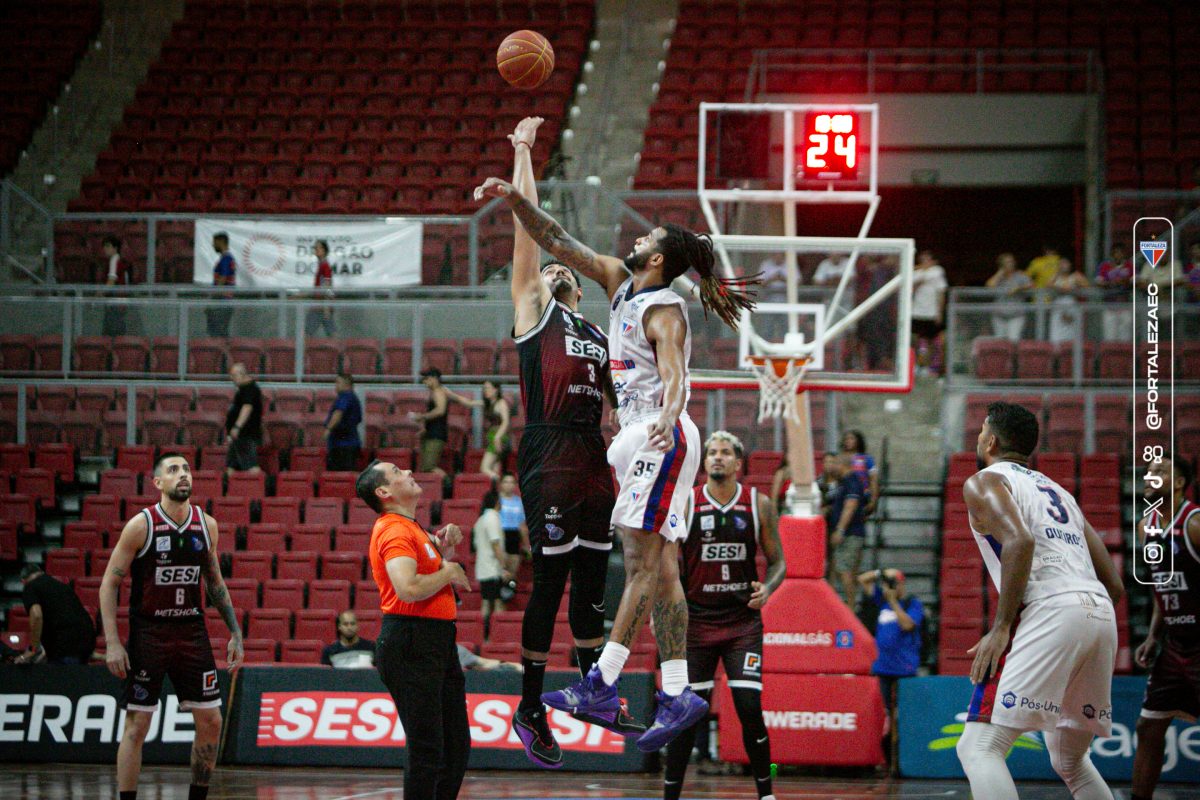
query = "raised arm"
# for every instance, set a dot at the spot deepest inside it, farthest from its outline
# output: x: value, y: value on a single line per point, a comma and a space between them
x: 133, y: 536
x: 666, y: 330
x: 529, y: 292
x: 607, y: 271
x: 994, y: 513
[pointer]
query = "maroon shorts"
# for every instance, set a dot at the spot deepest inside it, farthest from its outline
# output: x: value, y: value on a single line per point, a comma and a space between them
x: 1173, y: 688
x: 735, y: 641
x: 179, y: 650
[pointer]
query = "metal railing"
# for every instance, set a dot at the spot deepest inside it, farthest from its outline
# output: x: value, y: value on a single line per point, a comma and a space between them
x: 979, y: 66
x: 1077, y: 321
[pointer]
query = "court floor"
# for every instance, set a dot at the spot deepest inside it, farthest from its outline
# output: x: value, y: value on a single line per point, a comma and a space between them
x: 80, y: 781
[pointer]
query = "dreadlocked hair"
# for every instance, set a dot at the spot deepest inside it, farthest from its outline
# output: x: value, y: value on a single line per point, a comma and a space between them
x: 726, y: 297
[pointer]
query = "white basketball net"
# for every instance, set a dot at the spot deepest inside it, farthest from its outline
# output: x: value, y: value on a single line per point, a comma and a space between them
x: 777, y: 393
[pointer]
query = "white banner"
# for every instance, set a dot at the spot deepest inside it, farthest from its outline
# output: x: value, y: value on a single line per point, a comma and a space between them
x: 279, y: 254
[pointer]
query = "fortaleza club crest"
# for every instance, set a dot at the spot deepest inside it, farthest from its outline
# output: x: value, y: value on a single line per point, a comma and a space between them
x: 1153, y: 251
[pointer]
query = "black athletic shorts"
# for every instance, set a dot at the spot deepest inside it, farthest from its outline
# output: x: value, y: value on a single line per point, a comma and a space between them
x: 1173, y: 688
x: 180, y: 650
x: 735, y: 641
x: 566, y: 488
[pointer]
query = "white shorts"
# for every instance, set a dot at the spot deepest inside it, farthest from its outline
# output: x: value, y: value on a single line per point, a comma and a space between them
x: 1058, y: 670
x: 654, y: 486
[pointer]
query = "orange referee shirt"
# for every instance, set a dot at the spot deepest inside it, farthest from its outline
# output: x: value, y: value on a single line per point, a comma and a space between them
x: 395, y: 536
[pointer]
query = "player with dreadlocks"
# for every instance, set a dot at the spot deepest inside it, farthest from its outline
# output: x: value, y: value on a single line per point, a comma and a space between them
x: 656, y: 454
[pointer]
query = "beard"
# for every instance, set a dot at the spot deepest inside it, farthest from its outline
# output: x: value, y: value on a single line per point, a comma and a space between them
x: 718, y: 472
x: 180, y: 493
x: 562, y: 289
x: 636, y: 262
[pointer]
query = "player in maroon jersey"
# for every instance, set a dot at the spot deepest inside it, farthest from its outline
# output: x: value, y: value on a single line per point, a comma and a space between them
x: 565, y: 483
x: 168, y: 550
x: 728, y: 523
x: 1173, y: 689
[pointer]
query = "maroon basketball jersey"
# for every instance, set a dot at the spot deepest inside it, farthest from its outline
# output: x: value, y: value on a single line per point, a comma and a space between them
x: 167, y: 572
x: 564, y: 367
x: 1178, y: 593
x: 719, y: 553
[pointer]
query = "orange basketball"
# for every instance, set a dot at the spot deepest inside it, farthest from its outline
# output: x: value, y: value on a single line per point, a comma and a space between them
x: 525, y: 59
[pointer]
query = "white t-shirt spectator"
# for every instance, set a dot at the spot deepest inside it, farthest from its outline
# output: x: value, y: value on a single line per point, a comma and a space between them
x: 831, y: 269
x: 486, y: 532
x: 773, y: 273
x: 929, y: 285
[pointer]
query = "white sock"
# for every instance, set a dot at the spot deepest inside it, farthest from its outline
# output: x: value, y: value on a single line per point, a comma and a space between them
x: 675, y: 678
x: 612, y: 661
x: 767, y: 797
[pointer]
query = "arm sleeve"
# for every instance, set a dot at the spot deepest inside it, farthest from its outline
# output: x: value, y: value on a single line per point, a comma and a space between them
x: 396, y: 543
x: 877, y: 596
x: 495, y: 533
x: 113, y: 265
x: 916, y: 611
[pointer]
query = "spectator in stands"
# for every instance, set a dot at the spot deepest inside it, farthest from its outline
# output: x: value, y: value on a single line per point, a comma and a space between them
x: 1066, y: 320
x: 468, y: 660
x: 781, y: 481
x: 60, y: 629
x: 1115, y: 277
x: 435, y: 418
x: 1010, y: 284
x: 497, y: 414
x: 224, y: 274
x: 1043, y: 269
x: 490, y: 560
x: 928, y: 312
x: 321, y: 317
x: 118, y: 273
x: 243, y: 423
x: 512, y: 520
x: 844, y: 502
x: 773, y: 273
x: 863, y: 464
x: 897, y: 636
x: 350, y: 651
x: 341, y: 427
x: 829, y: 274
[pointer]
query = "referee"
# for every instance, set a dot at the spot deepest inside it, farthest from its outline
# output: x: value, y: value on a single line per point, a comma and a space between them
x: 416, y: 653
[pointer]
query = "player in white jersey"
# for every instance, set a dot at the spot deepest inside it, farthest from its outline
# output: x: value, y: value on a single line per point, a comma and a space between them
x: 657, y: 453
x: 1047, y: 662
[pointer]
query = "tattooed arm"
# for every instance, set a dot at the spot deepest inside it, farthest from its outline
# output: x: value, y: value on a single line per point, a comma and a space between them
x: 218, y: 596
x: 133, y: 537
x: 607, y: 271
x: 768, y: 538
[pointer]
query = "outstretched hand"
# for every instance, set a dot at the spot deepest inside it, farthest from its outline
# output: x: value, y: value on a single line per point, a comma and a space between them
x: 494, y: 187
x: 526, y: 132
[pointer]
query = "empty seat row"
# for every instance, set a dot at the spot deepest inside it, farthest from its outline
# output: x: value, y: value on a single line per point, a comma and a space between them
x: 998, y: 359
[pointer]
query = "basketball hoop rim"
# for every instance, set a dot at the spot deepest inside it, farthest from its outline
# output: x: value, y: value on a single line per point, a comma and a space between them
x: 709, y: 382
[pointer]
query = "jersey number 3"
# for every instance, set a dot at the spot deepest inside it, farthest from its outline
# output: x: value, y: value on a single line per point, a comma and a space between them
x: 1057, y: 511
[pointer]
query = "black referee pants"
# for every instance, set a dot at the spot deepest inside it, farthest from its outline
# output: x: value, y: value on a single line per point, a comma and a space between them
x: 418, y: 661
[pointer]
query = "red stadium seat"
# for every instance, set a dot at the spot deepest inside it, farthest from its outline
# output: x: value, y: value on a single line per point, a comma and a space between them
x: 351, y: 539
x: 174, y: 401
x: 397, y: 357
x: 342, y: 566
x: 297, y: 565
x: 243, y: 484
x: 283, y: 593
x: 325, y: 511
x: 88, y: 591
x: 361, y: 357
x: 58, y: 458
x: 294, y: 485
x: 258, y: 650
x: 206, y: 485
x: 308, y: 459
x: 252, y: 564
x: 336, y: 484
x: 243, y: 593
x: 293, y: 402
x: 85, y: 536
x: 316, y: 623
x: 329, y: 594
x: 38, y: 484
x: 310, y: 537
x: 359, y: 513
x: 366, y: 595
x: 266, y: 536
x: 139, y: 458
x: 100, y: 509
x: 269, y: 623
x: 65, y: 564
x: 301, y: 651
x: 231, y: 512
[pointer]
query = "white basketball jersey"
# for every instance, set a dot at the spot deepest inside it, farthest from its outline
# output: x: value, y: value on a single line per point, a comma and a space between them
x: 1061, y: 561
x: 634, y: 364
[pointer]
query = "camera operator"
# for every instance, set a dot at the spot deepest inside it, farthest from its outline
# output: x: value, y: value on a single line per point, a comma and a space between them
x: 897, y: 635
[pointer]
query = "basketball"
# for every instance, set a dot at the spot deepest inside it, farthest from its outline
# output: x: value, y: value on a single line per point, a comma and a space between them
x: 525, y: 59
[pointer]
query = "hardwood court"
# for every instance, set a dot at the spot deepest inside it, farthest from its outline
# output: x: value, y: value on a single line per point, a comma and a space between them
x: 80, y: 781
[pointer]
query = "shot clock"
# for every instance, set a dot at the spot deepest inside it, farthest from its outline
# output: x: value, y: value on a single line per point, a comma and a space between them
x: 828, y: 149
